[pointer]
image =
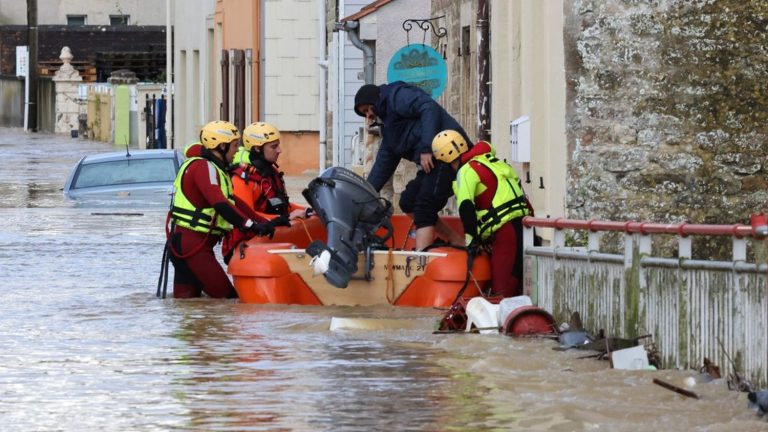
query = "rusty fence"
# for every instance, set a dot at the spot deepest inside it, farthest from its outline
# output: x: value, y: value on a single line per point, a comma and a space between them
x: 693, y: 308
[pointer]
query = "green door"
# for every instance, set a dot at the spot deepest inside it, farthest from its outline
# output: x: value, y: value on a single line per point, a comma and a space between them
x: 122, y: 115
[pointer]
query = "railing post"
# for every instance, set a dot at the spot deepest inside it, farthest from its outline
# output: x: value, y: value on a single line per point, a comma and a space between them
x: 559, y: 238
x: 634, y: 247
x: 739, y: 249
x: 593, y: 241
x: 644, y: 244
x: 684, y: 246
x: 528, y: 265
x: 682, y: 352
x: 629, y: 249
x: 528, y: 235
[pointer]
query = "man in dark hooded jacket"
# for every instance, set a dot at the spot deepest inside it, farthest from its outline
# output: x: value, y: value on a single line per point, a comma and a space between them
x: 410, y: 120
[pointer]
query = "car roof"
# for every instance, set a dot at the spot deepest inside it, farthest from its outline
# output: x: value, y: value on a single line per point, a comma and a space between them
x: 138, y: 154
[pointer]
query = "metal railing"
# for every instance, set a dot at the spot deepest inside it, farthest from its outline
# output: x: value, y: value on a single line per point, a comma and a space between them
x: 694, y: 308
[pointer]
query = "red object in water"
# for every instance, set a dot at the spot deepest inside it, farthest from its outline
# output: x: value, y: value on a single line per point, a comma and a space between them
x: 456, y: 318
x: 528, y: 321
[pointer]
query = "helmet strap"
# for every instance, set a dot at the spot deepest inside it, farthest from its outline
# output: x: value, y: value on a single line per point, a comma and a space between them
x: 223, y: 151
x: 263, y: 166
x: 256, y: 152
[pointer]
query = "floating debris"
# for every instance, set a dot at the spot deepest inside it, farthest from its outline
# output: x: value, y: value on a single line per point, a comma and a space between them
x: 575, y: 336
x: 758, y: 401
x: 676, y: 389
x: 710, y: 369
x: 634, y: 358
x: 735, y: 381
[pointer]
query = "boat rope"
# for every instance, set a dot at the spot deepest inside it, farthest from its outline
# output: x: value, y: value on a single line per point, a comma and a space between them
x: 196, y: 249
x: 470, y: 263
x: 162, y: 281
x: 306, y: 230
x: 390, y: 277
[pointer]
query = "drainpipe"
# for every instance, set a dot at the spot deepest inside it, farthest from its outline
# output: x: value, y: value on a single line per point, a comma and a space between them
x: 169, y: 7
x: 323, y: 62
x: 483, y: 71
x: 262, y: 60
x: 31, y: 81
x: 353, y: 30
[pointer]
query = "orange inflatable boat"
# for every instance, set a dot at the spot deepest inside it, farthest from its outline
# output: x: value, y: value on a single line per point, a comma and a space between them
x: 353, y: 252
x: 280, y: 271
x: 301, y: 233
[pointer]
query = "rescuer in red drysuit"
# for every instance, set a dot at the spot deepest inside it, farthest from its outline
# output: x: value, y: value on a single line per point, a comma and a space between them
x: 203, y: 210
x: 491, y: 206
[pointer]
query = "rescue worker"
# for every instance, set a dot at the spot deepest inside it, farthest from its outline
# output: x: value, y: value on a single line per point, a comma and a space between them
x: 194, y: 149
x: 411, y: 119
x: 258, y: 182
x: 491, y: 205
x: 204, y: 209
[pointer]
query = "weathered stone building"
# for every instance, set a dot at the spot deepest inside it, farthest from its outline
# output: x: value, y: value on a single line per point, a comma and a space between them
x: 667, y: 109
x: 459, y: 47
x: 640, y: 110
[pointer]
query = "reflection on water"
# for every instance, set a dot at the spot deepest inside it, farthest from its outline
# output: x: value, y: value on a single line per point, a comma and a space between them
x: 85, y: 345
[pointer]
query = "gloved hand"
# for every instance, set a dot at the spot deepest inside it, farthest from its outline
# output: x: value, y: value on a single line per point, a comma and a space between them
x: 281, y: 220
x: 263, y: 229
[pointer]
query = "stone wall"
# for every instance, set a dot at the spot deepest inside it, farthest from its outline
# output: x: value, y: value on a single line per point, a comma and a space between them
x: 667, y: 114
x: 460, y: 95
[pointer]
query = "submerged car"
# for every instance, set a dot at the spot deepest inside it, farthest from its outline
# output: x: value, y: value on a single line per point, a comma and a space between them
x: 133, y: 175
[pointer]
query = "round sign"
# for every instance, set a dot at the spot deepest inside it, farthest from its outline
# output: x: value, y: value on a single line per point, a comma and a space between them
x: 419, y: 65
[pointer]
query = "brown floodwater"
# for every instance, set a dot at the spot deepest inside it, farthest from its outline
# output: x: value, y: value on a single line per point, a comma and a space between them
x: 86, y: 345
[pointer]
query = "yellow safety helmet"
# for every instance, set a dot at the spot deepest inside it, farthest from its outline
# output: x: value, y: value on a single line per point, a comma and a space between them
x: 218, y: 132
x: 258, y: 134
x: 448, y: 145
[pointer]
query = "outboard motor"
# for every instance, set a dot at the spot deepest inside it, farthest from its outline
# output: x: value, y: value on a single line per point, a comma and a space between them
x: 352, y: 212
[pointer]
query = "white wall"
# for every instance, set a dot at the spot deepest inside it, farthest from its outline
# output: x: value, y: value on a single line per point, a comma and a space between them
x: 290, y: 64
x: 384, y: 26
x: 345, y: 79
x: 528, y: 79
x: 54, y: 12
x: 194, y: 85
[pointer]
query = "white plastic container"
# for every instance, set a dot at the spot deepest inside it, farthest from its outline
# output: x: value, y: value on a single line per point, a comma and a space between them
x: 484, y: 315
x: 507, y: 305
x: 634, y: 358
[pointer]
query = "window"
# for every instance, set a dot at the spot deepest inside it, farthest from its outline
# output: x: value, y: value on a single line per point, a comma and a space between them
x: 119, y: 20
x: 76, y: 20
x: 127, y: 171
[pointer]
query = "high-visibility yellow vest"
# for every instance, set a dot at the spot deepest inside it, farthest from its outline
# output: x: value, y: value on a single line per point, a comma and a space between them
x: 242, y: 157
x: 509, y: 201
x: 184, y: 213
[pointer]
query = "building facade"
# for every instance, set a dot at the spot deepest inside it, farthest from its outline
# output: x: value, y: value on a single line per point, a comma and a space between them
x: 86, y: 12
x: 252, y: 61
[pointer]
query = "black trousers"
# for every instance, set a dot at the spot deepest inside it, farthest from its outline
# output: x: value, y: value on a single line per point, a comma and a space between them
x: 427, y: 194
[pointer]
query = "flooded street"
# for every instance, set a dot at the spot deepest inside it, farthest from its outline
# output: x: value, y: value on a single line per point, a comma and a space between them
x: 86, y: 345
